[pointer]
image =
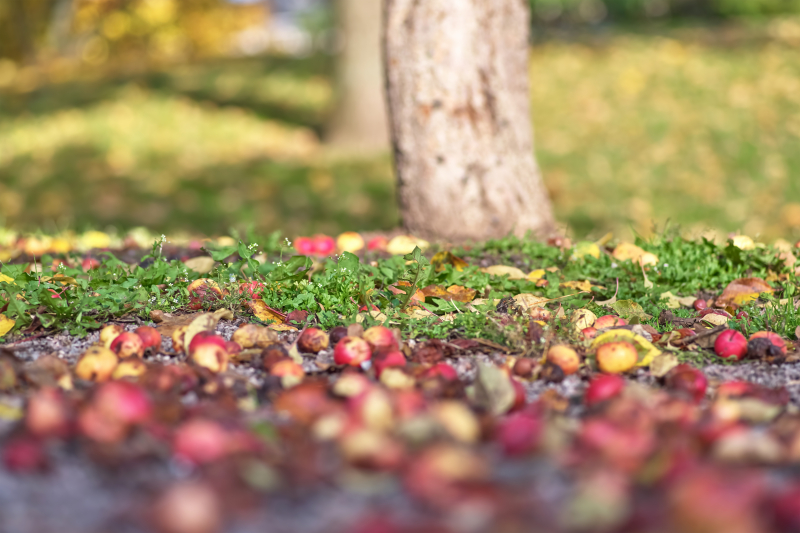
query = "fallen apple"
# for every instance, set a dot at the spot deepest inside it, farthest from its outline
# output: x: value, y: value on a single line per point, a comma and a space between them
x: 96, y: 364
x: 731, y: 344
x: 128, y: 344
x: 352, y: 351
x: 603, y: 388
x: 312, y: 340
x: 617, y: 357
x: 565, y: 357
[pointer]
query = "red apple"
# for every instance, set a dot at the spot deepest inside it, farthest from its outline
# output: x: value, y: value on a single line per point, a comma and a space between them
x: 352, y: 351
x: 380, y: 337
x: 603, y: 388
x: 689, y: 381
x: 151, y: 338
x: 200, y: 441
x: 204, y: 337
x: 383, y: 360
x: 24, y: 454
x: 128, y: 344
x: 124, y: 402
x: 774, y: 338
x: 731, y: 343
x: 609, y: 321
x: 312, y: 340
x: 47, y: 414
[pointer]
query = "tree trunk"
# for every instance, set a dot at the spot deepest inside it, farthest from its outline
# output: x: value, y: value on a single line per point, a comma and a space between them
x: 459, y: 106
x: 359, y: 121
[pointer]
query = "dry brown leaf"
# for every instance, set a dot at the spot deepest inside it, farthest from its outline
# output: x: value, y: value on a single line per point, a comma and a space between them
x: 743, y: 290
x: 460, y: 294
x: 434, y: 291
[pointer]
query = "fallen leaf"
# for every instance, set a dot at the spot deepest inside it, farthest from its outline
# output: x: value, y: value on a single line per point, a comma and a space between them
x: 446, y: 258
x: 7, y: 279
x: 460, y: 294
x: 528, y: 301
x: 625, y: 251
x: 577, y: 285
x: 494, y: 390
x: 674, y: 302
x: 629, y: 309
x: 535, y: 275
x: 6, y: 324
x: 663, y: 363
x: 433, y: 291
x: 265, y: 313
x: 743, y: 290
x: 715, y: 319
x: 282, y: 327
x: 585, y: 248
x: 417, y: 312
x: 502, y: 270
x: 203, y: 322
x: 201, y: 265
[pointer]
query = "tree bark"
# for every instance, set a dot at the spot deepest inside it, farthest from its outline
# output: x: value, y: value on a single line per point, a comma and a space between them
x: 360, y: 119
x: 459, y: 107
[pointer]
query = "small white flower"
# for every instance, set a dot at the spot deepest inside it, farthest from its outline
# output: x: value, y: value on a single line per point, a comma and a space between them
x: 232, y: 278
x: 613, y: 265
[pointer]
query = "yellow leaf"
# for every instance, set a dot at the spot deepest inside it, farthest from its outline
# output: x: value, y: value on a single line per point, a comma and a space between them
x: 6, y: 324
x: 446, y: 258
x: 282, y: 327
x: 743, y: 290
x: 577, y: 285
x: 502, y: 270
x: 536, y: 274
x: 584, y: 248
x: 626, y: 250
x: 7, y: 279
x: 263, y: 313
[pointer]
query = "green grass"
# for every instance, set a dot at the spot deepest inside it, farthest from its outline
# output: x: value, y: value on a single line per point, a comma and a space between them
x: 333, y: 290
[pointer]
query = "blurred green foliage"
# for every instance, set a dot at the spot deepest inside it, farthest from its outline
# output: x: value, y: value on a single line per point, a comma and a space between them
x: 583, y: 12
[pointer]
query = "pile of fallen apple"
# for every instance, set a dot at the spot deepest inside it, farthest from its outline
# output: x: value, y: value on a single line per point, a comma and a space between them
x: 442, y: 417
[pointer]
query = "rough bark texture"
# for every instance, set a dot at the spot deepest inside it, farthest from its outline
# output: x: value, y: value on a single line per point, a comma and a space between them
x: 360, y: 120
x: 459, y: 106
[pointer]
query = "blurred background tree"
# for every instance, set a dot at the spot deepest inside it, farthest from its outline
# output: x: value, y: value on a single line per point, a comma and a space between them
x: 202, y: 115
